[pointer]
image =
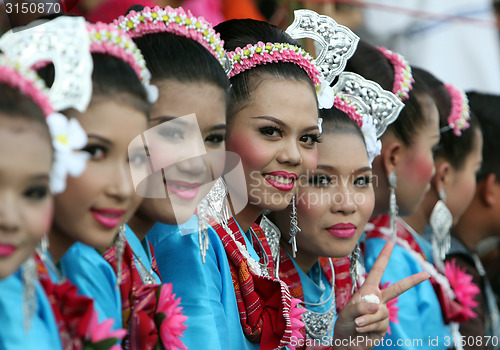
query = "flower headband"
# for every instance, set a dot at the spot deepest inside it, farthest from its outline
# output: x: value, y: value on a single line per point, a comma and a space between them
x: 176, y: 21
x: 460, y: 113
x: 254, y: 55
x: 403, y: 78
x: 26, y: 81
x: 67, y: 135
x: 109, y: 40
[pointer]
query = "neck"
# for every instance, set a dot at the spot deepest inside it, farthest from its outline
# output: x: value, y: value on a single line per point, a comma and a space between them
x: 59, y: 244
x: 471, y: 229
x: 305, y: 260
x: 247, y: 216
x: 140, y: 224
x: 418, y: 220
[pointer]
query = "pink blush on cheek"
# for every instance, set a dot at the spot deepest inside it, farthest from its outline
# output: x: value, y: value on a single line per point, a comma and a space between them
x: 420, y: 168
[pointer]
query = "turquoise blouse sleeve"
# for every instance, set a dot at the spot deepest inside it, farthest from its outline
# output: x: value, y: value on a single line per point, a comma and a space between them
x: 206, y: 289
x: 42, y: 334
x: 95, y: 278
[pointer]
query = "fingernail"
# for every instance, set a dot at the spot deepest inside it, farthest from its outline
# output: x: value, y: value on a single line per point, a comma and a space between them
x: 360, y: 321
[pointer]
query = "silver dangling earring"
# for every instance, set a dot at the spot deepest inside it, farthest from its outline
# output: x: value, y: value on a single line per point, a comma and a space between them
x: 441, y: 221
x: 201, y: 213
x: 354, y: 267
x: 393, y: 206
x: 120, y: 248
x: 294, y: 228
x: 29, y: 276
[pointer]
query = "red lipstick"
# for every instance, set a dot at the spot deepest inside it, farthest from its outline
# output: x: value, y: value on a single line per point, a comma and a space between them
x: 182, y: 189
x: 107, y: 217
x: 342, y: 230
x: 282, y: 180
x: 6, y: 250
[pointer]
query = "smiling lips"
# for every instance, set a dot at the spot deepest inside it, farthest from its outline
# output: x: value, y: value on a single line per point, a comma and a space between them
x: 109, y: 218
x: 182, y: 189
x: 282, y: 180
x: 342, y: 230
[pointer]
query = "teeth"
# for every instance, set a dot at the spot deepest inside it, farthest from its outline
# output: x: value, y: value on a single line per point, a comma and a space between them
x: 279, y: 179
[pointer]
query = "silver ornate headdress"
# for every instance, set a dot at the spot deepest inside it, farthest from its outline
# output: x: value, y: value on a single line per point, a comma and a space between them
x: 371, y: 99
x: 64, y: 42
x: 338, y: 43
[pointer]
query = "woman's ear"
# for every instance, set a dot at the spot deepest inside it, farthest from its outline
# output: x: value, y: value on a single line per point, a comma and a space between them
x: 489, y: 190
x: 441, y: 179
x: 391, y: 155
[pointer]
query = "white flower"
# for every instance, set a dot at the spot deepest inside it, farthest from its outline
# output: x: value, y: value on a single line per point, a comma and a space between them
x: 325, y: 94
x: 373, y: 145
x: 68, y: 137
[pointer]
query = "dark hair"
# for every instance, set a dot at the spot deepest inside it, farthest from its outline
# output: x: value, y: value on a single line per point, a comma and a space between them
x: 486, y: 107
x: 175, y: 57
x: 16, y: 104
x: 335, y: 120
x: 240, y: 33
x: 111, y: 77
x: 371, y: 63
x: 452, y: 148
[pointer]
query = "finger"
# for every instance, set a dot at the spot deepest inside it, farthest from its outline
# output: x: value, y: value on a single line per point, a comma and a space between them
x: 378, y: 327
x: 402, y: 286
x: 378, y: 269
x: 368, y: 319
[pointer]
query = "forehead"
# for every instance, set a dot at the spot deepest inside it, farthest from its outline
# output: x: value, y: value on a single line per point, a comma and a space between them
x: 345, y: 152
x: 286, y: 99
x: 177, y: 99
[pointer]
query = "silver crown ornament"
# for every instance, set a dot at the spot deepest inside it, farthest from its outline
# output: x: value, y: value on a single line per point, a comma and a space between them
x: 65, y: 42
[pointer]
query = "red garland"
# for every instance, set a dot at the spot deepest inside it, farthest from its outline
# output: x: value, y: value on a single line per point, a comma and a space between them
x: 72, y: 312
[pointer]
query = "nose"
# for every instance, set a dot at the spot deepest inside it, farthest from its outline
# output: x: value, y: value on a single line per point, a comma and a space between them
x: 194, y: 166
x: 10, y: 216
x: 343, y: 200
x: 120, y: 184
x: 290, y: 153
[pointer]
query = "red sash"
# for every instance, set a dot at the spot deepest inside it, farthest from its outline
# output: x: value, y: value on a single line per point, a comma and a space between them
x: 263, y: 302
x: 138, y: 301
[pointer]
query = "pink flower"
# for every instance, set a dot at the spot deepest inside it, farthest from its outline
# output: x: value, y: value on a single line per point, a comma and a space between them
x: 461, y: 283
x: 295, y: 320
x: 392, y: 308
x: 172, y: 327
x: 98, y: 332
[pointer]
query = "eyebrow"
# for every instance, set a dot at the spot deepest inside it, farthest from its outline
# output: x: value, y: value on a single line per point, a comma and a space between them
x: 168, y: 118
x: 40, y: 177
x: 332, y: 168
x: 282, y: 124
x: 273, y: 119
x: 100, y: 138
x: 219, y: 127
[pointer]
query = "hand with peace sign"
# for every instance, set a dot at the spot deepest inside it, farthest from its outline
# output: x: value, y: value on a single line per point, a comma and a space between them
x: 365, y: 321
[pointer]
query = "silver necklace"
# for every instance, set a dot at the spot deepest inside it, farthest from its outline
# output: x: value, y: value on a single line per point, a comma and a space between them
x: 147, y: 276
x: 319, y: 325
x: 263, y: 267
